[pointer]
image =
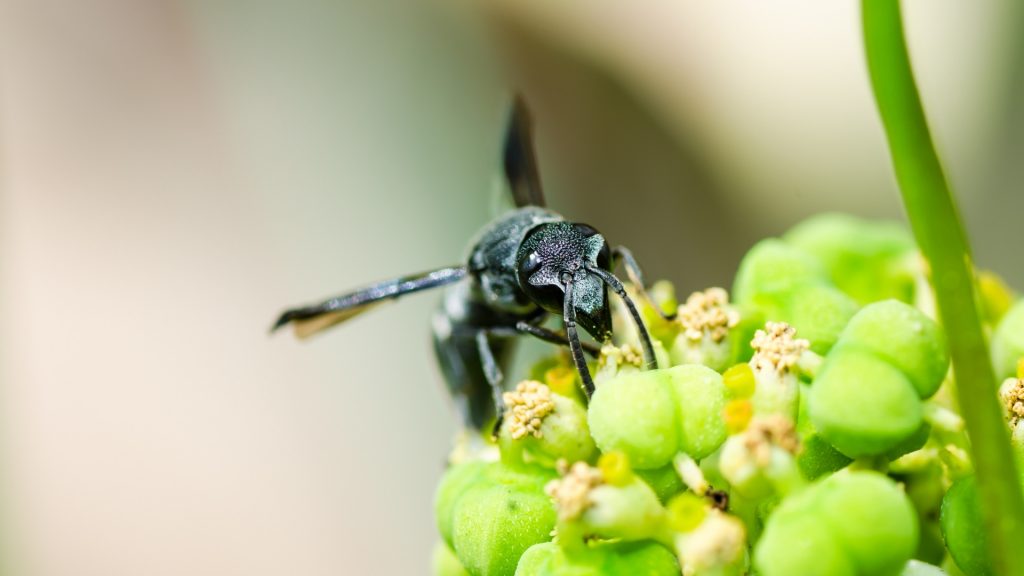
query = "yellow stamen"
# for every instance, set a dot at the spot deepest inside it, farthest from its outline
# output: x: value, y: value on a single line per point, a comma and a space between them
x: 995, y: 295
x: 739, y: 381
x: 737, y: 415
x: 614, y: 467
x: 561, y: 379
x: 686, y: 512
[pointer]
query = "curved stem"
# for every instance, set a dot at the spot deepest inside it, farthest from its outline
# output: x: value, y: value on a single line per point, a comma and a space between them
x: 940, y: 234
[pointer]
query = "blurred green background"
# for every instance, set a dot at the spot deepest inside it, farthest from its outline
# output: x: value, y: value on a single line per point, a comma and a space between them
x: 172, y: 174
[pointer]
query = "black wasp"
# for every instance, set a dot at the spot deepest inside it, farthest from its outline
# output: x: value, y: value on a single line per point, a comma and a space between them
x: 522, y: 266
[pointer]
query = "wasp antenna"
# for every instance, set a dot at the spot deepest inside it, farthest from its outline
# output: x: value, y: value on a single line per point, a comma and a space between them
x: 569, y: 318
x: 645, y: 338
x: 629, y: 262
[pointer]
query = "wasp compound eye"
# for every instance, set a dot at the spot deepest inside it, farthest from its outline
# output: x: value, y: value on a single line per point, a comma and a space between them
x: 603, y: 258
x: 530, y: 265
x: 545, y: 287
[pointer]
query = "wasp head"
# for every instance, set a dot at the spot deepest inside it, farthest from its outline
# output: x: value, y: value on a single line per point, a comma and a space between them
x: 557, y: 253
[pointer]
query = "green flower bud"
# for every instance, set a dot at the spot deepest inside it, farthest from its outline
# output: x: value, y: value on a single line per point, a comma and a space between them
x: 601, y: 559
x: 653, y: 415
x: 489, y: 514
x: 862, y: 405
x: 752, y: 319
x: 792, y: 286
x: 544, y: 427
x: 456, y: 480
x: 962, y: 528
x: 867, y: 260
x: 905, y: 338
x: 922, y: 476
x: 910, y: 444
x: 1008, y: 341
x: 851, y: 523
x: 819, y: 458
x: 664, y: 481
x: 771, y: 270
x: 794, y: 542
x: 819, y: 313
x: 445, y: 562
x: 872, y: 518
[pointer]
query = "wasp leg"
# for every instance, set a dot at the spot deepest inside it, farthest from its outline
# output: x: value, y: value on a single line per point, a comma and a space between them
x: 544, y: 334
x: 569, y: 318
x: 471, y: 402
x: 615, y: 284
x: 623, y: 254
x: 492, y: 371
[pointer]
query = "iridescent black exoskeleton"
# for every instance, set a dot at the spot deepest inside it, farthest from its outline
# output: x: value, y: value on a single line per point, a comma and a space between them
x: 522, y: 266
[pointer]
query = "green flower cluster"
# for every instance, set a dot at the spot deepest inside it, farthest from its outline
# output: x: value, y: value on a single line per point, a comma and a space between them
x: 802, y: 427
x: 849, y: 524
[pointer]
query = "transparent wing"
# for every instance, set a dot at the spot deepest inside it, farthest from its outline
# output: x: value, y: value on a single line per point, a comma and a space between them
x: 310, y: 320
x: 520, y: 159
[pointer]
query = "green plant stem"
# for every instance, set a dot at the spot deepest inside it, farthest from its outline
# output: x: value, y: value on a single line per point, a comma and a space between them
x: 940, y: 234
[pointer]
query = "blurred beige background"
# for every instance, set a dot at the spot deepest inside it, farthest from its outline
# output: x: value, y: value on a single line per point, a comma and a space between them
x: 174, y: 173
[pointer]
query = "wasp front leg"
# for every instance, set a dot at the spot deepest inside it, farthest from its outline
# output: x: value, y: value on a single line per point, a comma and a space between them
x: 539, y: 332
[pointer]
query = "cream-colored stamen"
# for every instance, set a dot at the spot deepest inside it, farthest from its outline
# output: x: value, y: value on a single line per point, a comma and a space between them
x: 627, y: 354
x: 526, y: 408
x: 708, y: 313
x: 767, y: 432
x: 1012, y: 395
x: 776, y: 348
x: 571, y: 492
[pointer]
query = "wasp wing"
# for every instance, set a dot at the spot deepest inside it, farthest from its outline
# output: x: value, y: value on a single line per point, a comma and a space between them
x: 520, y: 159
x: 310, y: 320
